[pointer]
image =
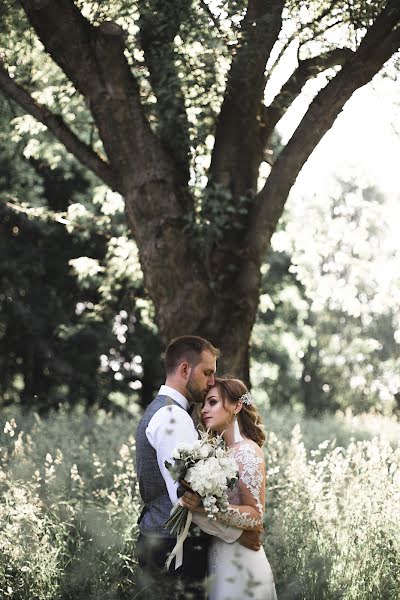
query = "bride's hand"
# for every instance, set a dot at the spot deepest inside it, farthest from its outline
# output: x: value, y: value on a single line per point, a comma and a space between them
x: 183, y: 487
x: 191, y: 500
x: 251, y: 539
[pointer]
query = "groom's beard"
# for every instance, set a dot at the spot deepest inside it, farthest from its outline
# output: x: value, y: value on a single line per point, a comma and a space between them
x: 196, y: 394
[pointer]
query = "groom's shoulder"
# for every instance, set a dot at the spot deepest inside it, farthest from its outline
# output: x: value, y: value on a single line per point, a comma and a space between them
x: 160, y: 402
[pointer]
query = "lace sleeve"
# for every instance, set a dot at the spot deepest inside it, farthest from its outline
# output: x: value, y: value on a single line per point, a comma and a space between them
x: 248, y: 509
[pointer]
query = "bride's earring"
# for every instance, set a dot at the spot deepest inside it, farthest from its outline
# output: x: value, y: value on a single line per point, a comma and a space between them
x: 236, y: 431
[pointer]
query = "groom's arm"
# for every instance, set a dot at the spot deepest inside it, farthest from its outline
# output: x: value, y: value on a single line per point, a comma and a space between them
x: 169, y: 427
x: 227, y: 533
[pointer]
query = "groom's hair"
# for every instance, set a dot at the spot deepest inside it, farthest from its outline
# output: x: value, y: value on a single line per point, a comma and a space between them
x: 186, y: 348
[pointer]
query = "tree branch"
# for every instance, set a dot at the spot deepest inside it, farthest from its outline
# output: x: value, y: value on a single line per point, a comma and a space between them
x: 93, y: 59
x: 302, y: 27
x: 67, y: 37
x: 236, y: 132
x: 237, y: 152
x: 214, y: 19
x: 380, y: 42
x: 58, y: 127
x: 46, y: 214
x: 159, y: 23
x: 306, y: 70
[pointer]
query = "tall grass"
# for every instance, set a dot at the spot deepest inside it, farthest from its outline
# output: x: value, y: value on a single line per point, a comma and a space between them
x: 68, y: 509
x: 69, y: 505
x: 333, y: 519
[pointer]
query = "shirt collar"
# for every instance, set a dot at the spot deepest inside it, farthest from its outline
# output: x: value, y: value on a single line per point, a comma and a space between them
x: 166, y: 390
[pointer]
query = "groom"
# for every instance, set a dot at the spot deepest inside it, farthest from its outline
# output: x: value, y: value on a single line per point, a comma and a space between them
x: 190, y: 364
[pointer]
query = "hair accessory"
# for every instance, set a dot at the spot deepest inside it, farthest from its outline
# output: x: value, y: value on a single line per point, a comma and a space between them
x: 247, y: 398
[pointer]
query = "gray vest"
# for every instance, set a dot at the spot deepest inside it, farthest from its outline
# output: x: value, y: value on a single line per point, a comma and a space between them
x: 154, y: 493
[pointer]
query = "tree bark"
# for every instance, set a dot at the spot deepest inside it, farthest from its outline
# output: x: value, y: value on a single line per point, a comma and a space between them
x: 159, y: 24
x: 237, y: 131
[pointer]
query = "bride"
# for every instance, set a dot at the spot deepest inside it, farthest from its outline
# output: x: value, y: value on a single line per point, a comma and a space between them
x: 235, y: 572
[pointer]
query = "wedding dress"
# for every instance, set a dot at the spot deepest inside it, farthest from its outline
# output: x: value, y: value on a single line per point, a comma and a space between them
x: 235, y: 572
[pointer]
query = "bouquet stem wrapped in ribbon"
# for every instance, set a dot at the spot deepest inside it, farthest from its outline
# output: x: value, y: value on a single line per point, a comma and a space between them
x: 210, y: 469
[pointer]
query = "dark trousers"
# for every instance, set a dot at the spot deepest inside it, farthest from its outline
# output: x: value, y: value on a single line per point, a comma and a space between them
x: 185, y: 583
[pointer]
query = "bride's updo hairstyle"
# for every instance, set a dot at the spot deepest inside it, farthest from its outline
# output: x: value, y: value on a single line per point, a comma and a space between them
x: 249, y: 419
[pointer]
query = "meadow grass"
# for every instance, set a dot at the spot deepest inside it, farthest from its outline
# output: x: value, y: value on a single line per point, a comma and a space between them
x: 69, y: 505
x: 333, y: 514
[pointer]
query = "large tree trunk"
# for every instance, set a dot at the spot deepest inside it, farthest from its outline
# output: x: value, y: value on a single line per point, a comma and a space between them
x: 180, y: 289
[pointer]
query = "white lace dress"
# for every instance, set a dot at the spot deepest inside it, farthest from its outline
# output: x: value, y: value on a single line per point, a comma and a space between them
x: 236, y: 573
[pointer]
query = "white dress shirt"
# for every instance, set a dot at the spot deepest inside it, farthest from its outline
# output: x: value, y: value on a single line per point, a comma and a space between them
x: 171, y: 426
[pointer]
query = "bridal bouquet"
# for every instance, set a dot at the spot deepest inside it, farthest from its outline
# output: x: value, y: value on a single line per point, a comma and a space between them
x: 210, y: 469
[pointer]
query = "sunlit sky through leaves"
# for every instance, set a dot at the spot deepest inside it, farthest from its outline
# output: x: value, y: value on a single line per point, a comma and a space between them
x: 363, y: 146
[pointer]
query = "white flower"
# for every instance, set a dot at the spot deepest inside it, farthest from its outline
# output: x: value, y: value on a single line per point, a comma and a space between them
x: 205, y: 451
x: 184, y: 447
x: 209, y: 467
x: 219, y: 453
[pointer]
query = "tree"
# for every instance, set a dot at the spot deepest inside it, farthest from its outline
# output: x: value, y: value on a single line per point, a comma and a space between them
x: 327, y: 332
x: 350, y: 278
x: 154, y: 97
x: 72, y: 326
